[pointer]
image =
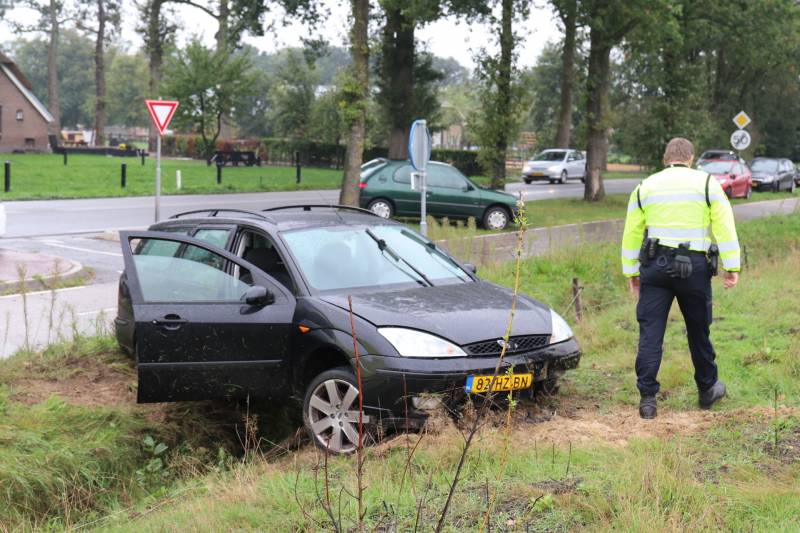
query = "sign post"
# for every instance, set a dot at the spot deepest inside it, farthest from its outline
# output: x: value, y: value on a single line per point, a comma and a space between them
x: 740, y: 139
x: 419, y: 152
x: 161, y: 112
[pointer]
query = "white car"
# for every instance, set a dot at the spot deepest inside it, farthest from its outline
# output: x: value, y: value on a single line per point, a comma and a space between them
x: 556, y: 165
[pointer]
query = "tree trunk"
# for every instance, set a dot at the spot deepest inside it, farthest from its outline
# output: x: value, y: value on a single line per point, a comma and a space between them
x: 596, y: 111
x: 100, y: 77
x: 354, y: 154
x: 398, y: 73
x: 503, y: 94
x: 53, y: 96
x: 569, y: 17
x: 222, y: 30
x: 155, y: 49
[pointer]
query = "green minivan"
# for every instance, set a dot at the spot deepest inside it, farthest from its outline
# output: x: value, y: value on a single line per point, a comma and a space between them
x: 386, y: 191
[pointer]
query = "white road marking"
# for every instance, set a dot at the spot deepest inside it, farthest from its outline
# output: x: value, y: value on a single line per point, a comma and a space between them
x: 44, y: 292
x: 97, y: 311
x: 79, y: 249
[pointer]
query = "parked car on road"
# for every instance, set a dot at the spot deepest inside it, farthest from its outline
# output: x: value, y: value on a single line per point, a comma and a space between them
x: 773, y: 174
x: 718, y: 155
x: 734, y: 177
x: 555, y: 166
x: 234, y: 304
x: 386, y: 191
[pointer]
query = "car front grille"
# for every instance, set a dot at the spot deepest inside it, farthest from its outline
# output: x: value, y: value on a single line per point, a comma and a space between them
x: 524, y: 343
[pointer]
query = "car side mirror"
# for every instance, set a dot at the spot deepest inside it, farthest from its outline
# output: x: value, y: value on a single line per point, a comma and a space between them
x: 471, y: 267
x: 258, y: 296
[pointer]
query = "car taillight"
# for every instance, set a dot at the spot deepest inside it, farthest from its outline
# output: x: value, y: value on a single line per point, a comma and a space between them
x: 362, y: 185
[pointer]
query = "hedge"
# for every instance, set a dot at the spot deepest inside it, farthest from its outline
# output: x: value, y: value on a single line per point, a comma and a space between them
x: 312, y: 154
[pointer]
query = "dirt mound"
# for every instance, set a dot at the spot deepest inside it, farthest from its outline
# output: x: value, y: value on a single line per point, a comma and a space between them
x: 88, y: 381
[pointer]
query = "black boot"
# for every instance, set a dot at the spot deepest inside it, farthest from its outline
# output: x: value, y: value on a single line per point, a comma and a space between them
x: 709, y: 397
x: 647, y: 407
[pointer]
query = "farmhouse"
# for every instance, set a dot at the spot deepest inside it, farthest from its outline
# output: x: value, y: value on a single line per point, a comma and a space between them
x: 23, y: 118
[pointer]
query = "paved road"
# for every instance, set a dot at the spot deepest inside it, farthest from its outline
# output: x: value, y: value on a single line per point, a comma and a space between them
x: 61, y: 217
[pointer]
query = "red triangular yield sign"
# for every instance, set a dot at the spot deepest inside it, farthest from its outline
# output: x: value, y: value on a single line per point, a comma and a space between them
x: 161, y: 112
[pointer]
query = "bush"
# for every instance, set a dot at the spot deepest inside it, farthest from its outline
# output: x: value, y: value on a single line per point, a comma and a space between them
x: 464, y: 160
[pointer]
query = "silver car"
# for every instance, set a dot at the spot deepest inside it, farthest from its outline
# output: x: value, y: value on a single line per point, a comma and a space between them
x: 556, y: 165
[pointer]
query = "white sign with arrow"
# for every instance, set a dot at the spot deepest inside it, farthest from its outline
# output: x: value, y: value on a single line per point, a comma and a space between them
x: 419, y: 152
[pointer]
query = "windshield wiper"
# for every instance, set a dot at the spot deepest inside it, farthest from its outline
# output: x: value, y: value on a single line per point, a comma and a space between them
x: 383, y: 247
x: 435, y: 251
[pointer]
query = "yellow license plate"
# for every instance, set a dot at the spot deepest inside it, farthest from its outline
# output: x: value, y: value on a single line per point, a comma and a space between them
x: 503, y: 382
x: 537, y: 173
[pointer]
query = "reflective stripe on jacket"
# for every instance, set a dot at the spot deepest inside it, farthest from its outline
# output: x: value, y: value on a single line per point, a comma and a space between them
x: 674, y: 211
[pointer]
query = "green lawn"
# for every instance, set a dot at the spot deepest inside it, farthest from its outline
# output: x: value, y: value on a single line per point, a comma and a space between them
x: 581, y: 460
x: 86, y: 176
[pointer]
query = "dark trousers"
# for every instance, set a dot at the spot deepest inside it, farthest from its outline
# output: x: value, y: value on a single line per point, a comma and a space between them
x: 658, y: 290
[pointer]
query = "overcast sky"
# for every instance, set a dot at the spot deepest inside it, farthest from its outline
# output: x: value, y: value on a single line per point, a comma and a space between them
x: 446, y: 38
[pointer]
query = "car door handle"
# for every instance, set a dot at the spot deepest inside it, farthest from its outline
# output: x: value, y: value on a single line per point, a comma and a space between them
x: 170, y: 322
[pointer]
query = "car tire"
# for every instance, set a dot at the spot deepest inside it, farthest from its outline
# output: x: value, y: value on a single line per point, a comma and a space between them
x: 792, y: 187
x: 563, y: 178
x: 551, y: 181
x: 496, y: 218
x: 381, y: 207
x: 776, y: 187
x: 729, y: 192
x: 548, y: 387
x: 332, y: 425
x: 527, y: 181
x: 749, y: 193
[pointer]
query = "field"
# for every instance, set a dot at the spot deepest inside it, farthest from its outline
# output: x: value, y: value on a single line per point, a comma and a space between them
x: 37, y: 176
x: 76, y: 452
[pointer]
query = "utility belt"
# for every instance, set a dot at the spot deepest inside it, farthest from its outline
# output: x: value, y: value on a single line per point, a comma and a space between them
x: 677, y: 260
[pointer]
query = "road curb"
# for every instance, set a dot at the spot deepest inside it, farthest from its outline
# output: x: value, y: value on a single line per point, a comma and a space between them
x: 41, y: 282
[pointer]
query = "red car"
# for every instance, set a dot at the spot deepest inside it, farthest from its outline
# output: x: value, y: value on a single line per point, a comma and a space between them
x: 734, y: 177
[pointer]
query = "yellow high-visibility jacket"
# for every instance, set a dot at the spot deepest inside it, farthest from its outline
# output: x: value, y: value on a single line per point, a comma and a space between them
x: 671, y: 206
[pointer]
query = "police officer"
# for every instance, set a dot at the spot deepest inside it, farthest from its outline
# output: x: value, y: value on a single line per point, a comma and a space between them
x: 667, y: 253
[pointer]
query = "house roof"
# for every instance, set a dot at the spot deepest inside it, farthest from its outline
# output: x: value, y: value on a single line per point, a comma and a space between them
x: 24, y: 85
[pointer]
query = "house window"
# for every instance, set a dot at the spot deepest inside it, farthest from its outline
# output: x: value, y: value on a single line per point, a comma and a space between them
x: 20, y: 116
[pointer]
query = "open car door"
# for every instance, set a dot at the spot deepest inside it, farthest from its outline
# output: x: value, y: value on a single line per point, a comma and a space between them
x: 208, y: 324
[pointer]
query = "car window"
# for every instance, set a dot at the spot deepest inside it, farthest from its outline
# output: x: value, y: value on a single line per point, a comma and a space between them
x: 717, y: 167
x: 764, y: 165
x: 216, y: 236
x: 549, y: 156
x: 164, y: 248
x: 198, y: 275
x: 403, y: 174
x: 445, y: 176
x: 341, y: 258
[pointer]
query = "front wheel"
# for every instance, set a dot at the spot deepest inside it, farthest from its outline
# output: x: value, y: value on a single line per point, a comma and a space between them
x: 749, y: 193
x: 496, y: 218
x: 563, y: 179
x: 381, y: 207
x: 331, y: 410
x: 792, y: 187
x: 527, y: 181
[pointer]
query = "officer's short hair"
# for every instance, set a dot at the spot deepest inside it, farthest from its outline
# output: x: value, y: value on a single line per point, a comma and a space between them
x: 678, y: 149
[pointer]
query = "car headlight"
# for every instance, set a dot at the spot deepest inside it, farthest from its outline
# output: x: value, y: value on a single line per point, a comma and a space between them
x: 766, y: 179
x: 526, y: 168
x: 413, y: 343
x: 561, y: 330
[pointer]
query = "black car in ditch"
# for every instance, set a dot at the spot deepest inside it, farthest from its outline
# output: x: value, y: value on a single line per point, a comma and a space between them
x: 227, y: 303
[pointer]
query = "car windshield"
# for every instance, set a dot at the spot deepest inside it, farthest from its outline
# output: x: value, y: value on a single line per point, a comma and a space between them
x: 764, y: 165
x: 718, y: 155
x: 549, y: 156
x: 346, y: 258
x: 717, y: 167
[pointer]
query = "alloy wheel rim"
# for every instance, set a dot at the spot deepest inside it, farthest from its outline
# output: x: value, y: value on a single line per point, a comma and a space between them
x: 333, y: 420
x: 381, y: 209
x: 497, y: 220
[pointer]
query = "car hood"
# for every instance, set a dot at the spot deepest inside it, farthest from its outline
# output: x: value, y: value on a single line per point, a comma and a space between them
x: 462, y: 313
x: 542, y: 164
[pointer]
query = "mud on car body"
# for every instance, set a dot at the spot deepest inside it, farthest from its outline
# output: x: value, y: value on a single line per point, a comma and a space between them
x: 219, y: 304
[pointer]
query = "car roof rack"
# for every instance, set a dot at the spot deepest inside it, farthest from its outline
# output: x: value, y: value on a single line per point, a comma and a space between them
x: 215, y: 212
x: 309, y: 207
